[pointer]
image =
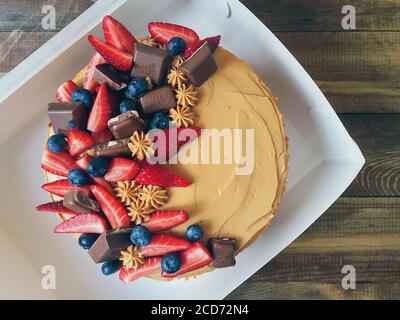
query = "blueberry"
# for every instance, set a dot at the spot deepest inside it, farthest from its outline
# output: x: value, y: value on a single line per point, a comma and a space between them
x: 110, y: 267
x: 84, y: 96
x: 57, y: 143
x: 194, y: 233
x: 78, y: 177
x: 127, y: 105
x: 86, y: 240
x: 171, y: 262
x: 176, y: 46
x: 140, y: 236
x: 159, y: 120
x: 98, y: 167
x: 137, y: 88
x: 70, y: 124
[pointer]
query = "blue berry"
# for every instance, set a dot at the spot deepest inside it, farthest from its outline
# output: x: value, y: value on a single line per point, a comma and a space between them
x: 84, y: 96
x: 57, y: 143
x: 171, y: 262
x: 127, y: 105
x: 159, y: 120
x: 70, y: 124
x: 110, y: 267
x: 86, y: 240
x: 194, y: 233
x: 137, y: 88
x: 140, y: 236
x: 176, y: 46
x: 98, y: 167
x: 78, y: 177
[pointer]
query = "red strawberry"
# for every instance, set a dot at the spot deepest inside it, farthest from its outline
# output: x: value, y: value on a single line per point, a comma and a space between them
x: 213, y: 42
x: 119, y: 59
x: 62, y: 187
x: 130, y: 275
x: 64, y: 92
x: 90, y: 82
x: 157, y: 175
x: 165, y: 220
x: 121, y: 169
x: 196, y: 257
x: 79, y: 141
x: 56, y: 207
x: 83, y: 223
x: 117, y: 35
x: 102, y: 136
x: 57, y: 163
x: 112, y: 207
x: 163, y: 32
x: 102, y: 109
x: 162, y: 244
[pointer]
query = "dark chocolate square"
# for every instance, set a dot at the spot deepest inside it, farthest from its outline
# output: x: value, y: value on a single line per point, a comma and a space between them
x: 61, y: 113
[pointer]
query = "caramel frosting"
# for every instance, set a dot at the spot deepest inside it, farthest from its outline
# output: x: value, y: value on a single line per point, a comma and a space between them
x: 177, y: 61
x: 127, y: 191
x: 149, y: 41
x: 139, y: 211
x: 131, y: 258
x: 187, y: 96
x: 154, y: 197
x: 141, y: 145
x: 176, y: 77
x: 182, y: 116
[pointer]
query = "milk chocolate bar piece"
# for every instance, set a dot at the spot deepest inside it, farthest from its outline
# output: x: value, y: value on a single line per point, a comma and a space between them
x: 124, y: 125
x: 105, y: 73
x: 223, y: 250
x: 152, y: 62
x: 109, y: 245
x: 61, y: 113
x: 200, y: 66
x: 78, y: 202
x: 113, y: 148
x: 161, y: 99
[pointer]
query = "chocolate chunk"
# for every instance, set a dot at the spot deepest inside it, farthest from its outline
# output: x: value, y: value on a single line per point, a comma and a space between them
x: 109, y: 245
x: 161, y: 99
x: 152, y: 62
x: 113, y: 148
x: 124, y: 125
x: 78, y: 202
x: 61, y: 113
x: 223, y: 250
x: 105, y: 73
x: 200, y: 66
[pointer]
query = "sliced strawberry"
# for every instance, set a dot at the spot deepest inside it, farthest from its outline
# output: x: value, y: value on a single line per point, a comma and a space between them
x: 121, y: 169
x: 196, y: 257
x: 79, y: 141
x: 90, y: 82
x: 102, y: 136
x: 111, y: 206
x: 64, y: 92
x: 57, y: 163
x: 83, y: 223
x: 56, y: 207
x: 149, y: 265
x: 165, y: 220
x: 162, y: 244
x: 62, y: 187
x: 157, y: 175
x: 117, y: 35
x: 119, y: 59
x: 102, y: 110
x: 163, y: 32
x: 213, y: 42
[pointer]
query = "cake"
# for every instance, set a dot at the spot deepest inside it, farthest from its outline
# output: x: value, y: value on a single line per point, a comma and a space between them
x: 169, y: 219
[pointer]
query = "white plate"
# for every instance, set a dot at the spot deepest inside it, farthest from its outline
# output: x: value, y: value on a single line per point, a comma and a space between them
x: 324, y: 158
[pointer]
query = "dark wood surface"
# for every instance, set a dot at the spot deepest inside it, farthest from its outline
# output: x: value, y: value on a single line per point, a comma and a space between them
x: 359, y: 72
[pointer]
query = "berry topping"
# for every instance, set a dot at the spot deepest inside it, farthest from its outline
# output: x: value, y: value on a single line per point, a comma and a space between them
x: 171, y: 262
x: 213, y: 42
x: 165, y: 220
x: 86, y: 240
x: 161, y: 244
x: 130, y: 275
x: 121, y: 169
x: 56, y: 207
x: 57, y: 143
x: 79, y: 141
x: 194, y: 233
x: 117, y: 35
x: 62, y: 187
x: 128, y: 105
x: 57, y: 163
x: 111, y: 267
x: 163, y: 32
x: 98, y: 167
x: 84, y: 96
x: 64, y: 92
x: 159, y: 120
x: 90, y: 80
x: 176, y: 46
x: 140, y: 236
x: 83, y: 223
x: 71, y: 124
x: 137, y: 88
x: 157, y: 175
x: 102, y: 136
x: 78, y: 177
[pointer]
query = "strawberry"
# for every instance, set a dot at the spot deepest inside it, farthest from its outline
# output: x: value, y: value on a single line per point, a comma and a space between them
x: 130, y: 275
x: 162, y: 244
x: 163, y: 32
x: 64, y: 92
x: 83, y: 223
x: 102, y: 109
x: 79, y: 141
x: 90, y: 82
x: 213, y: 42
x: 196, y: 257
x: 102, y: 136
x: 121, y: 169
x: 111, y: 206
x: 62, y: 187
x: 157, y: 175
x: 119, y: 59
x: 165, y: 220
x: 117, y: 35
x: 56, y: 207
x: 57, y: 163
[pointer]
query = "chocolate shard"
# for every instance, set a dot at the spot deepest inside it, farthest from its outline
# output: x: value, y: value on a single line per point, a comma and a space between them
x: 161, y: 99
x: 151, y: 62
x: 105, y: 73
x: 62, y: 113
x: 124, y: 125
x: 200, y: 66
x: 78, y: 202
x: 109, y: 245
x: 112, y: 148
x: 223, y: 250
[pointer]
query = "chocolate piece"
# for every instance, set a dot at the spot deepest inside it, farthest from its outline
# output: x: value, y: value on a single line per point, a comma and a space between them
x: 105, y: 73
x: 161, y: 99
x: 61, y: 113
x: 78, y: 202
x: 200, y: 66
x: 109, y: 245
x: 124, y: 125
x: 152, y: 62
x: 112, y: 148
x: 223, y: 250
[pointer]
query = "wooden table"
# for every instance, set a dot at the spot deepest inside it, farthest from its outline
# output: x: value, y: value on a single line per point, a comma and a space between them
x: 359, y: 72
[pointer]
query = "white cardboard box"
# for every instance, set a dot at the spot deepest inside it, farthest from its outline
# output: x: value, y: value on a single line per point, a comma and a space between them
x: 324, y: 158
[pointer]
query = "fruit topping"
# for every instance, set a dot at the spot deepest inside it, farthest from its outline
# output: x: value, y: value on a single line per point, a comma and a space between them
x: 83, y: 223
x: 98, y: 167
x: 102, y: 110
x: 161, y: 244
x: 176, y: 46
x: 64, y: 92
x: 129, y: 105
x: 62, y: 187
x: 78, y: 177
x: 194, y: 233
x: 140, y: 236
x: 165, y: 220
x: 213, y: 42
x: 79, y: 141
x: 57, y: 143
x: 86, y: 240
x: 163, y: 32
x: 117, y: 35
x: 149, y: 265
x: 157, y: 175
x: 84, y: 96
x: 159, y: 120
x: 111, y: 267
x: 56, y: 207
x: 57, y: 163
x: 90, y: 82
x: 137, y: 88
x: 171, y: 262
x: 121, y: 169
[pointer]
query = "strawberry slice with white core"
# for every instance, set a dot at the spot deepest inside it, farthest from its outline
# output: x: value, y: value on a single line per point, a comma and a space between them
x: 165, y: 220
x: 83, y: 223
x: 157, y: 175
x: 162, y: 244
x: 117, y: 35
x: 121, y: 169
x: 90, y: 81
x: 163, y: 32
x: 149, y: 265
x: 57, y: 163
x: 102, y: 109
x: 62, y: 187
x: 56, y: 207
x: 79, y: 141
x: 64, y: 92
x: 102, y: 136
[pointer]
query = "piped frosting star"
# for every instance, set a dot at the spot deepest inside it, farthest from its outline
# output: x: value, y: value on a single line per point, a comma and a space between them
x: 127, y: 191
x: 149, y: 41
x: 176, y: 77
x: 182, y: 116
x: 154, y: 196
x: 131, y: 258
x: 140, y: 145
x: 177, y: 62
x: 187, y: 96
x: 139, y: 211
